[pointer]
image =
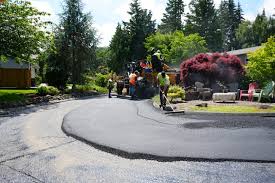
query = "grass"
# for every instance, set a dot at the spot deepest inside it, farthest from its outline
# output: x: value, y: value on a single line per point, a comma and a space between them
x: 14, y: 95
x: 234, y: 109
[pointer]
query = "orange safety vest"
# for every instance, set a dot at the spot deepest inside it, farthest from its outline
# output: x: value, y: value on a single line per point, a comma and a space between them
x: 132, y: 79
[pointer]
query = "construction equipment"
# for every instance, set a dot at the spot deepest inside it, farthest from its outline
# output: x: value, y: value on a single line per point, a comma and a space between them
x: 147, y: 80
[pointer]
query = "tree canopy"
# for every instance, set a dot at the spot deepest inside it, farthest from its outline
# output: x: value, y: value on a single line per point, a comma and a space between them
x: 203, y: 19
x: 261, y: 64
x: 176, y: 47
x: 22, y: 34
x: 75, y: 43
x: 172, y: 18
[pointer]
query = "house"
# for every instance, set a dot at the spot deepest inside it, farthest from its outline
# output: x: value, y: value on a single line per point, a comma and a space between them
x: 242, y: 53
x: 18, y: 75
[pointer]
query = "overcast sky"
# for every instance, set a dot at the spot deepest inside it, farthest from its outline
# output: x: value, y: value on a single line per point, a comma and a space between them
x: 107, y: 13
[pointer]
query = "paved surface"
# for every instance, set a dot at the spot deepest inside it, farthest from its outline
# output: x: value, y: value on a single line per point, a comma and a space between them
x: 34, y: 149
x: 135, y: 129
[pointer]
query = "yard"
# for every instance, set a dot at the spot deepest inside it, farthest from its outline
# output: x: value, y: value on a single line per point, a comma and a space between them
x: 14, y: 95
x: 230, y: 107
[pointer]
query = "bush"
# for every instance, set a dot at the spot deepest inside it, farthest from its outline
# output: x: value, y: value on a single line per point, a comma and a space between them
x: 90, y: 87
x: 261, y: 65
x: 53, y: 90
x: 42, y: 90
x: 206, y: 68
x: 101, y: 80
x: 176, y: 92
x: 47, y: 90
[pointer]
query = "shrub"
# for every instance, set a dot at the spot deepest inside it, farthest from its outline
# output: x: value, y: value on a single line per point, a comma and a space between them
x: 90, y: 87
x: 101, y: 80
x: 42, y: 90
x: 53, y: 90
x: 47, y: 90
x: 206, y: 68
x: 176, y: 92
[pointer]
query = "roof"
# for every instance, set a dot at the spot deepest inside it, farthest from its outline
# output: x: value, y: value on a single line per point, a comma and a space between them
x: 11, y: 64
x: 243, y: 51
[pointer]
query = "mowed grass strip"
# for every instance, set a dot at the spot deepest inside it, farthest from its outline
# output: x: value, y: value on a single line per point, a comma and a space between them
x: 14, y: 95
x: 232, y: 109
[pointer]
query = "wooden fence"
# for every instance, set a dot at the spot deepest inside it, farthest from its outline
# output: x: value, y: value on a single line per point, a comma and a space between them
x: 19, y: 78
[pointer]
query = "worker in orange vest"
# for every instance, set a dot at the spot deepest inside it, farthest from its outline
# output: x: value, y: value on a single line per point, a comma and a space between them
x: 132, y: 83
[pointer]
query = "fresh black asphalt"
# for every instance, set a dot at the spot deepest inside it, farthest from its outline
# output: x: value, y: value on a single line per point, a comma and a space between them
x: 135, y: 129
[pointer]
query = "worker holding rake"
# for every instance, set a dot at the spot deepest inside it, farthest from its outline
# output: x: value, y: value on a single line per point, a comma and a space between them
x: 163, y: 83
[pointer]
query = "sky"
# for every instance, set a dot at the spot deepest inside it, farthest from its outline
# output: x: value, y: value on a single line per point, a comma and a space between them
x: 108, y: 13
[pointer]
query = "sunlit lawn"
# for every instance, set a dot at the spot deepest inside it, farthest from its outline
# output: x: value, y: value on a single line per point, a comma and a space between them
x: 14, y: 95
x: 234, y: 109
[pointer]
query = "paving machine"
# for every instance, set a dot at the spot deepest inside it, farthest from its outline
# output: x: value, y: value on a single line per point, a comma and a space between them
x: 147, y: 80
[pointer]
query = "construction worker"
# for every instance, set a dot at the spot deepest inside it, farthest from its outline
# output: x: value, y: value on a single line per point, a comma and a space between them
x: 157, y: 65
x: 157, y: 61
x: 163, y: 84
x: 110, y: 86
x: 132, y: 83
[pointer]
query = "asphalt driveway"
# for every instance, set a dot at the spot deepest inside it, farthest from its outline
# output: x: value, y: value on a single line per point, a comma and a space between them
x: 134, y: 129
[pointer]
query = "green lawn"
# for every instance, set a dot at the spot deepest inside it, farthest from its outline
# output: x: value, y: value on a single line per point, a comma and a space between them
x: 230, y: 109
x: 13, y: 95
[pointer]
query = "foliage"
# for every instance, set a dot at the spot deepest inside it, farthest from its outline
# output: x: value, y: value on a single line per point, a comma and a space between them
x: 261, y: 65
x: 176, y: 92
x: 38, y: 80
x: 203, y: 20
x: 176, y: 47
x: 101, y: 80
x: 47, y: 90
x: 172, y: 18
x: 22, y: 33
x: 244, y: 34
x: 128, y: 41
x: 89, y: 88
x: 14, y: 95
x: 230, y: 16
x: 75, y: 42
x: 139, y: 27
x: 42, y: 90
x: 103, y: 56
x: 210, y: 68
x: 257, y: 32
x: 53, y: 90
x: 119, y: 49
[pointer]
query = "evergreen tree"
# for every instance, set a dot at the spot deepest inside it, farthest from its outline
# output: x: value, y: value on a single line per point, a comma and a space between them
x: 260, y: 29
x: 120, y: 50
x: 75, y: 43
x: 140, y: 26
x: 244, y: 35
x: 230, y: 16
x: 203, y: 20
x: 172, y: 19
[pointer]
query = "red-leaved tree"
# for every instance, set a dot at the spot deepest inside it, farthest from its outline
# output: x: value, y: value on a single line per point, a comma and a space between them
x: 207, y: 68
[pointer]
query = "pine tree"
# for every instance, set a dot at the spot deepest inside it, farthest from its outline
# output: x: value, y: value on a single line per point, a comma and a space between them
x: 260, y: 28
x: 76, y: 43
x: 120, y: 49
x: 203, y: 20
x: 230, y: 17
x: 172, y: 19
x: 140, y: 26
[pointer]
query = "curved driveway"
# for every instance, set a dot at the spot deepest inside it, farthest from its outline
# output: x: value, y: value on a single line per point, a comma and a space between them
x: 34, y: 149
x: 135, y: 129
